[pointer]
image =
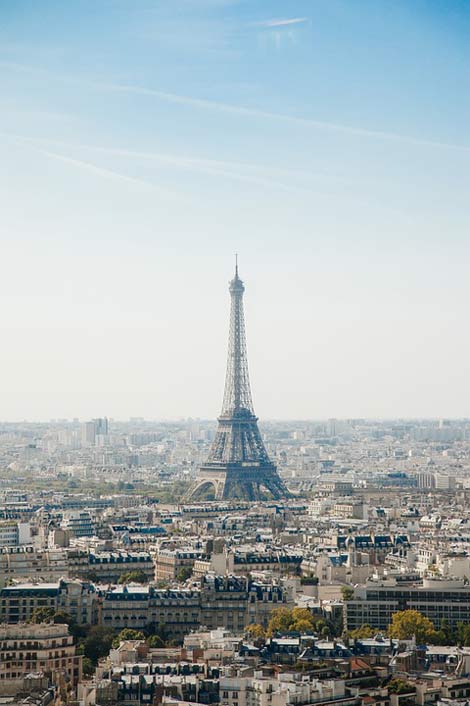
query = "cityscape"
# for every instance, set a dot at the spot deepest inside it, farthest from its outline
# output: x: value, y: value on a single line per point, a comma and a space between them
x: 235, y: 381
x: 194, y: 562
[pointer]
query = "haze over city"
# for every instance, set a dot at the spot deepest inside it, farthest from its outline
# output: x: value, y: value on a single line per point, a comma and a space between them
x: 144, y: 143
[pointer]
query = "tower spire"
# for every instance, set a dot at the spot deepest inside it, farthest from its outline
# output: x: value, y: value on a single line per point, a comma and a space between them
x: 237, y: 394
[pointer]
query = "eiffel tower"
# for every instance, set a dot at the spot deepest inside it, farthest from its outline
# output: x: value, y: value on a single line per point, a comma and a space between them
x: 238, y: 466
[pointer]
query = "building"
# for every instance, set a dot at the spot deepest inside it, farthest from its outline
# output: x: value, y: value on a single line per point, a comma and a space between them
x: 108, y: 567
x: 26, y: 562
x: 220, y: 601
x: 172, y: 563
x: 79, y: 599
x: 26, y: 648
x: 13, y: 533
x: 79, y: 523
x: 335, y: 487
x: 177, y: 612
x: 88, y: 434
x: 438, y: 599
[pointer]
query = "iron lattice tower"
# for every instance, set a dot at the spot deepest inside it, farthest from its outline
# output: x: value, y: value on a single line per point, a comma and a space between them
x: 238, y: 466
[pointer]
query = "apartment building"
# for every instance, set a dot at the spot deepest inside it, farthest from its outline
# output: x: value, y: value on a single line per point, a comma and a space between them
x: 374, y: 604
x: 77, y: 598
x: 170, y: 563
x: 26, y: 562
x: 13, y: 534
x: 108, y: 566
x: 139, y: 606
x: 79, y: 523
x: 26, y: 648
x: 220, y: 601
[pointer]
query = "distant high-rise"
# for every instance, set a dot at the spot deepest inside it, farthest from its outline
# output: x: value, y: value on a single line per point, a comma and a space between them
x: 94, y: 432
x: 238, y: 465
x: 88, y: 433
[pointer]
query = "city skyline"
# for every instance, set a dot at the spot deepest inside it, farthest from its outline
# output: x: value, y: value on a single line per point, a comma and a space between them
x: 136, y: 160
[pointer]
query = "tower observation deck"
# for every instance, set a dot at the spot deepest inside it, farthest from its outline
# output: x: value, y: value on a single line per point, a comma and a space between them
x: 238, y: 465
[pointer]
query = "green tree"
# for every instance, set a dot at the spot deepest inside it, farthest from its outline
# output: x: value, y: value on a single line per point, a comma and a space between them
x: 62, y: 618
x: 463, y: 634
x: 88, y: 667
x: 128, y: 634
x: 184, y: 573
x: 400, y: 686
x: 445, y: 634
x: 309, y: 580
x: 408, y: 623
x: 136, y: 576
x: 347, y: 593
x: 42, y: 615
x: 155, y: 641
x: 98, y: 642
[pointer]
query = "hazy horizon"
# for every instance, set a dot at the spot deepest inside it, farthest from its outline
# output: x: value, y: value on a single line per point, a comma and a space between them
x: 144, y: 144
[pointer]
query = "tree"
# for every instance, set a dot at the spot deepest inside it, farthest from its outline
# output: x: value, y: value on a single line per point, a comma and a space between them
x: 42, y: 615
x: 281, y: 620
x: 255, y: 631
x: 155, y: 641
x: 361, y: 633
x: 135, y: 576
x: 184, y: 573
x: 128, y: 634
x: 445, y: 635
x: 347, y: 593
x: 400, y: 686
x: 309, y: 580
x: 408, y: 623
x: 463, y: 634
x: 97, y: 643
x: 88, y: 667
x: 295, y: 620
x: 62, y: 618
x: 304, y: 626
x: 299, y: 614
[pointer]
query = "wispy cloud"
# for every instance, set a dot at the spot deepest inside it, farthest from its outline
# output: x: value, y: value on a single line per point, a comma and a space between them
x: 282, y: 22
x: 90, y: 167
x: 231, y: 108
x: 261, y: 175
x: 280, y: 117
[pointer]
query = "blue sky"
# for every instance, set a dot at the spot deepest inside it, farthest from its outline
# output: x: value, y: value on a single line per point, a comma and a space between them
x: 144, y: 142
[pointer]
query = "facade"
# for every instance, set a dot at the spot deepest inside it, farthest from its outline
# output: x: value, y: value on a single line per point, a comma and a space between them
x: 12, y: 533
x: 108, y: 566
x: 78, y: 599
x: 26, y: 648
x: 23, y: 563
x: 79, y: 523
x: 238, y: 466
x: 438, y: 600
x: 170, y: 562
x: 220, y: 601
x: 175, y: 611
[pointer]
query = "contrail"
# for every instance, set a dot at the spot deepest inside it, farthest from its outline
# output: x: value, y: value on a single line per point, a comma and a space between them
x: 206, y: 104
